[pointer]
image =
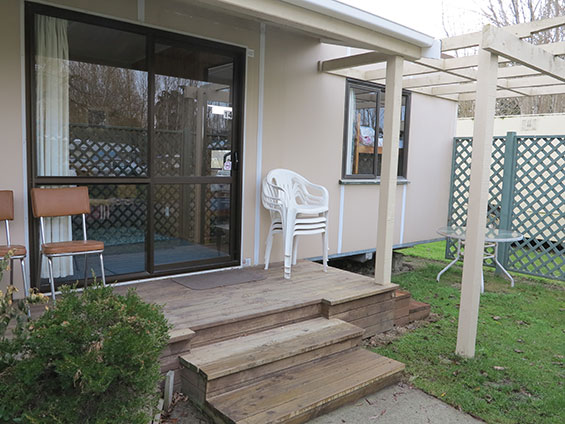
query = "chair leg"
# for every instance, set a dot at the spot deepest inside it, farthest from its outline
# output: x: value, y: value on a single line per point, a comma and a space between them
x: 85, y: 274
x: 288, y: 235
x: 325, y: 247
x: 11, y: 272
x: 24, y: 277
x: 294, y: 250
x: 269, y: 246
x: 51, y: 278
x: 102, y: 270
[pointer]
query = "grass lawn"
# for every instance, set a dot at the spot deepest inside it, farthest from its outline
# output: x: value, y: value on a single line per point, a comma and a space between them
x: 518, y: 373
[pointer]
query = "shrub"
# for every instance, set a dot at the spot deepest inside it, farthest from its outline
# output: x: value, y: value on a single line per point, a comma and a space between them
x: 93, y: 358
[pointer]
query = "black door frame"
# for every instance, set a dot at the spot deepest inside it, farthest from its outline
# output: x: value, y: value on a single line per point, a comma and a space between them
x: 236, y: 181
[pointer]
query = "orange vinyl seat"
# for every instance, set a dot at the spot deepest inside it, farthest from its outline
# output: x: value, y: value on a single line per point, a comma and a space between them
x: 16, y: 249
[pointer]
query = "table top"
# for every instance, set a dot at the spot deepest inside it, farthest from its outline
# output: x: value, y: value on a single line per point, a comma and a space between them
x: 492, y: 235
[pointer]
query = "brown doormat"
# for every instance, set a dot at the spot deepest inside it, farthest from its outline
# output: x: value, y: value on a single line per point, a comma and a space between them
x: 212, y: 280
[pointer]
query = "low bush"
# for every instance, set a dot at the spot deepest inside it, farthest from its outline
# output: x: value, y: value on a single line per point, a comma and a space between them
x: 93, y: 358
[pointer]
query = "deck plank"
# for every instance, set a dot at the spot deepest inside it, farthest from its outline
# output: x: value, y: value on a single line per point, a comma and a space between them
x: 197, y: 309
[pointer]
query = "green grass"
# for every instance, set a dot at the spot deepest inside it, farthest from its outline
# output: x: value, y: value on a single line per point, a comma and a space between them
x: 435, y: 251
x: 518, y: 373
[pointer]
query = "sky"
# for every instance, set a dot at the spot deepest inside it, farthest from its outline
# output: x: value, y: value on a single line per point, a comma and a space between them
x: 461, y: 16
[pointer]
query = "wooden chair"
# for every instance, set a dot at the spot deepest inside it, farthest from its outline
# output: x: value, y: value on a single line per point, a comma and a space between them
x: 18, y: 251
x: 53, y: 202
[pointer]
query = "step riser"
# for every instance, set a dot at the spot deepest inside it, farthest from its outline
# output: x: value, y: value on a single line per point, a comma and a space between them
x: 234, y: 381
x: 235, y: 329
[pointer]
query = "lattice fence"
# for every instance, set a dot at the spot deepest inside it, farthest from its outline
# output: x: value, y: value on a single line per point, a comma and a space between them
x: 526, y: 194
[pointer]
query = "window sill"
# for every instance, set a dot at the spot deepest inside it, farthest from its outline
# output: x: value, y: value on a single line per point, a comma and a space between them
x: 377, y: 181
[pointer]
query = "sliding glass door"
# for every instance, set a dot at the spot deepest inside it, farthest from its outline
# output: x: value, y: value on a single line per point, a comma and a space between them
x: 151, y: 123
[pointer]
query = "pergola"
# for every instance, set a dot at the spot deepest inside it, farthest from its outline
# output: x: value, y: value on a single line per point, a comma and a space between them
x: 504, y: 66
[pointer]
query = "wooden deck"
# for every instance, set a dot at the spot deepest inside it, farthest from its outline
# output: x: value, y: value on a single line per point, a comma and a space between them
x: 311, y: 289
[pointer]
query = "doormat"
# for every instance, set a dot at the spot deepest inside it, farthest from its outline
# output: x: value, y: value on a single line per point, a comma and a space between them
x: 213, y: 280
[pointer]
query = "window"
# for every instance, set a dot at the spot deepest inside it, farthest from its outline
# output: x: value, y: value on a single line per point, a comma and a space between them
x: 364, y: 120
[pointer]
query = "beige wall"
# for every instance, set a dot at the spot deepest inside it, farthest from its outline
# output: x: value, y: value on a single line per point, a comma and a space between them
x: 12, y: 158
x: 548, y: 124
x: 302, y: 125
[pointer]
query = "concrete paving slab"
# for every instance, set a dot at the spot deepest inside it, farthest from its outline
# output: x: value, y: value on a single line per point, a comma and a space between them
x: 398, y: 404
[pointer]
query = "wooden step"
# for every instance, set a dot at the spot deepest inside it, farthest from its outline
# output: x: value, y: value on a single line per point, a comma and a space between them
x: 418, y: 310
x: 223, y: 366
x: 308, y: 390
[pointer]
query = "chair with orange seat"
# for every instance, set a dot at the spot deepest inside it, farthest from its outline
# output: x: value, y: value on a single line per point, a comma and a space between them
x: 17, y: 251
x: 68, y: 201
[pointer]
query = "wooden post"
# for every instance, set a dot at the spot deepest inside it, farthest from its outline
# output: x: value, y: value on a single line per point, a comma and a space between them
x: 477, y: 209
x: 387, y: 194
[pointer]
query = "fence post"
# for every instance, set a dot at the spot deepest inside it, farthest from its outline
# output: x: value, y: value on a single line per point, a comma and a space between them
x: 451, y: 194
x: 507, y: 202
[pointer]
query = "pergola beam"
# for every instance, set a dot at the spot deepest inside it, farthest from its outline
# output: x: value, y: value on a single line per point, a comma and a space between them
x: 526, y: 92
x: 502, y: 43
x: 522, y: 30
x: 352, y: 61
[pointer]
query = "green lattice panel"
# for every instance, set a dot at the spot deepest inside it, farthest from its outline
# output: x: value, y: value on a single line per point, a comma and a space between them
x: 539, y: 207
x: 537, y: 204
x: 460, y: 183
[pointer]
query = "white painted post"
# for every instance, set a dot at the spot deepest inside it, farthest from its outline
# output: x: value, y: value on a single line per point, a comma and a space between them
x: 387, y: 190
x: 477, y: 208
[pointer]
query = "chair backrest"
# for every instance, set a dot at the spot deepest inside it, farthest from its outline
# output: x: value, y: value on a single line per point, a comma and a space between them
x: 6, y: 205
x: 49, y: 202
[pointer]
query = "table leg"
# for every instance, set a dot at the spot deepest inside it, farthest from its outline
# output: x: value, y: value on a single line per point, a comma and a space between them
x: 501, y: 267
x: 457, y: 255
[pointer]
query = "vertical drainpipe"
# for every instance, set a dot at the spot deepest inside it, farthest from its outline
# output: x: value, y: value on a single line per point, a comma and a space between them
x: 141, y: 10
x: 259, y: 164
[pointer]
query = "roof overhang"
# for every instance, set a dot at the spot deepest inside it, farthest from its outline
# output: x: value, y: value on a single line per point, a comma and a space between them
x: 335, y: 22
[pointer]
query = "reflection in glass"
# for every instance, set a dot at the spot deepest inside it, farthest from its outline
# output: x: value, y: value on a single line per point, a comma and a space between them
x: 361, y: 131
x: 91, y: 107
x: 192, y: 222
x: 118, y: 217
x: 193, y: 111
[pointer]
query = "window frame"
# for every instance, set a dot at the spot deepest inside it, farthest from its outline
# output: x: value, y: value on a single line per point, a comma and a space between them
x: 380, y: 89
x: 153, y: 35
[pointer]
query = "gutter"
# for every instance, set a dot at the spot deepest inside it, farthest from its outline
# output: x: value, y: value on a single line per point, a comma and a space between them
x: 431, y: 47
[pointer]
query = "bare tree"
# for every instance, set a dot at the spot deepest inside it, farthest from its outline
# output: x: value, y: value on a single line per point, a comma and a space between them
x: 510, y: 12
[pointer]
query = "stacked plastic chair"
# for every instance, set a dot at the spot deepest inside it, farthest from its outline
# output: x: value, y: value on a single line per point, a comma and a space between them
x: 297, y: 207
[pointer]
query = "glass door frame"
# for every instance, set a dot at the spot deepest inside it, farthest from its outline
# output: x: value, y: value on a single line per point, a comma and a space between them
x: 235, y: 180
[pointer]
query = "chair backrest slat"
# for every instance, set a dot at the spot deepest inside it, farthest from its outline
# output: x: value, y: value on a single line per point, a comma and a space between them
x: 48, y: 202
x: 6, y: 205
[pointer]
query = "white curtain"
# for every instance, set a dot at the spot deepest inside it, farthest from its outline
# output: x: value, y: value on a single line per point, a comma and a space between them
x: 52, y: 121
x: 351, y: 132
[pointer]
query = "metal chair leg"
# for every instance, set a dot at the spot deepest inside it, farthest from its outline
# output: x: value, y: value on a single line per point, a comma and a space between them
x: 85, y: 270
x: 24, y: 277
x: 11, y: 272
x: 51, y: 278
x: 102, y: 270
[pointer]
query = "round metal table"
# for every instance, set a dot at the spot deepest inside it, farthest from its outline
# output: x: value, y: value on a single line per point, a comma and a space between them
x: 493, y: 237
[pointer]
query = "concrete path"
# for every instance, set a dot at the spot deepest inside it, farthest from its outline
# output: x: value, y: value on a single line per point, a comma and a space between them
x: 398, y: 404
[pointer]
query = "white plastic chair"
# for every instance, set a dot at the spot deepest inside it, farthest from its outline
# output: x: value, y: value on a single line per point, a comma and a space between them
x: 297, y: 207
